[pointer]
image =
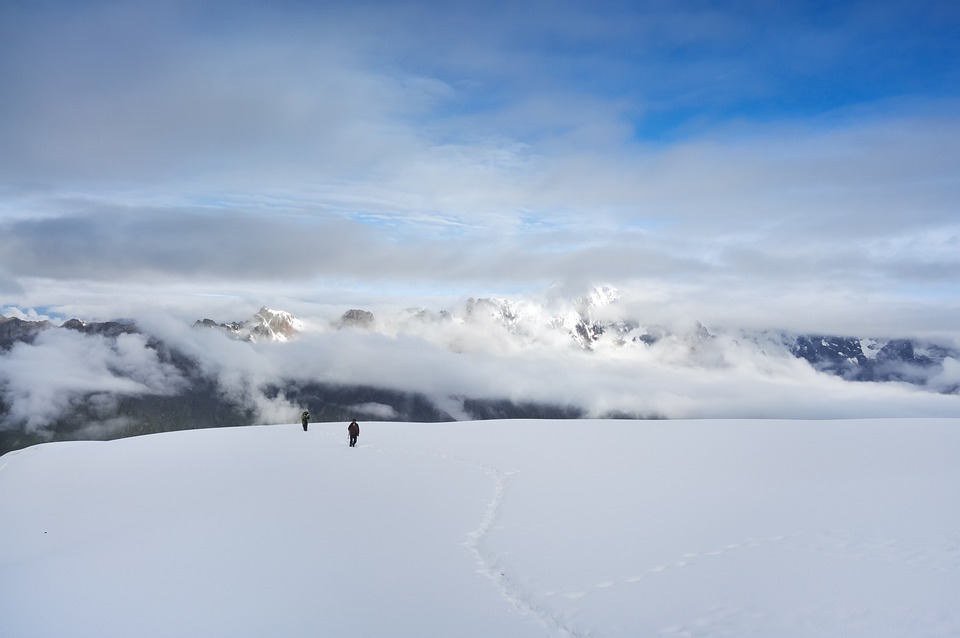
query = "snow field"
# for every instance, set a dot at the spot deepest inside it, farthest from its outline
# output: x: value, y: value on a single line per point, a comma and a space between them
x: 498, y: 528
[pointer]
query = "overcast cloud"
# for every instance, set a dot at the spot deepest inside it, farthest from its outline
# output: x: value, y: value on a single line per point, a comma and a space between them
x: 786, y: 167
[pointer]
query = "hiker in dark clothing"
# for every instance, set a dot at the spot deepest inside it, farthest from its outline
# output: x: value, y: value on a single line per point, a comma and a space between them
x: 354, y: 431
x: 305, y: 418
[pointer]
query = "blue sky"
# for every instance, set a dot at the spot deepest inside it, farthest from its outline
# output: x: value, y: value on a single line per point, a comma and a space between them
x: 770, y: 164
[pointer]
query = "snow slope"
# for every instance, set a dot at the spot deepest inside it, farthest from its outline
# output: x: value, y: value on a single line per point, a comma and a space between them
x: 503, y: 528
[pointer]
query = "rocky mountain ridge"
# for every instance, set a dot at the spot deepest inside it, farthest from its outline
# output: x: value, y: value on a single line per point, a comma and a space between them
x: 15, y: 330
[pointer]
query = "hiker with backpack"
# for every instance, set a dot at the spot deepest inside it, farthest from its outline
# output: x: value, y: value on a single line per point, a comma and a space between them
x: 354, y: 431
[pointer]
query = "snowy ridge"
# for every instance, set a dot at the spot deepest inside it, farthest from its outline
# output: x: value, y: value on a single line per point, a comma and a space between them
x: 503, y: 528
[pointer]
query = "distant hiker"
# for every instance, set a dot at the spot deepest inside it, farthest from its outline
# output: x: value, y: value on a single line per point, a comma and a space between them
x: 305, y: 418
x: 354, y: 431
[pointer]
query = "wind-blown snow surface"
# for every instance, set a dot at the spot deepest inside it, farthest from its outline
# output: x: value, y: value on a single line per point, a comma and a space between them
x: 502, y: 528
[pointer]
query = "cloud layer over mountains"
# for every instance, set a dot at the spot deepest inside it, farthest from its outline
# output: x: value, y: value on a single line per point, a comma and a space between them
x: 582, y: 356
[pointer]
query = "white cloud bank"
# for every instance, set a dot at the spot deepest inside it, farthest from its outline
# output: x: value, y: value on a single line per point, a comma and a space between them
x: 40, y: 383
x: 468, y: 356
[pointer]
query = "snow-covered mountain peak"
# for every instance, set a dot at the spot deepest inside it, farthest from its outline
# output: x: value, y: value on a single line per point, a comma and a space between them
x: 276, y: 325
x: 266, y: 325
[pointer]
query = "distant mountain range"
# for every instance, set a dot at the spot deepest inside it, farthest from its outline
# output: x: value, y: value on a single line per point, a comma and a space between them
x: 852, y: 358
x: 584, y: 323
